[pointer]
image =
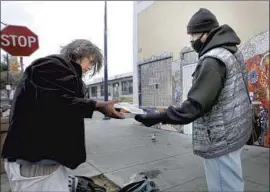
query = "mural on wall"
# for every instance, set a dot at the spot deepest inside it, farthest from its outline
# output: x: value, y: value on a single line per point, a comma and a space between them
x: 256, y: 55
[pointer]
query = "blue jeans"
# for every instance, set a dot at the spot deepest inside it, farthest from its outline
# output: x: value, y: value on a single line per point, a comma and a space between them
x: 224, y: 174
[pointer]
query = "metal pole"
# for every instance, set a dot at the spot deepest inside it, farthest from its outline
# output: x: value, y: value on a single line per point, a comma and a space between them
x: 7, y: 60
x: 4, y: 23
x: 105, y: 57
x: 21, y: 64
x: 8, y: 84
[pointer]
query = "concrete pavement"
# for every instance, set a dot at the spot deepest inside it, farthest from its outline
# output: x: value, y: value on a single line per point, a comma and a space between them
x: 120, y: 148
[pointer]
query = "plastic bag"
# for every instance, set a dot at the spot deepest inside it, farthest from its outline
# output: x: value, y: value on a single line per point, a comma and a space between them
x: 140, y: 183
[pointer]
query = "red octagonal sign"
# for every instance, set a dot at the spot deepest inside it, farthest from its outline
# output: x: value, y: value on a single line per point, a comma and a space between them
x: 18, y: 40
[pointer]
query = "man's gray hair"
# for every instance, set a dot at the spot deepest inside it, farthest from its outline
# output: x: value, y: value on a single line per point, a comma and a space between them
x: 81, y: 48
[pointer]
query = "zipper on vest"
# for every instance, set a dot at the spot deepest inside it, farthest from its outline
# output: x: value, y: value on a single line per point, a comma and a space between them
x: 209, y: 135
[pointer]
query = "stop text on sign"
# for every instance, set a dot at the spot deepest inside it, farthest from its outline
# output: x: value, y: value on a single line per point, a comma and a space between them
x: 15, y: 40
x: 18, y: 40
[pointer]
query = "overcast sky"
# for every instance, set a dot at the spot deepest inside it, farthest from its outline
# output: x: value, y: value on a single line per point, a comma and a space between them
x: 59, y: 22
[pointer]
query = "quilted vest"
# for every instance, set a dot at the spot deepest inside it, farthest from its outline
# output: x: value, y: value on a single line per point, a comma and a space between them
x: 227, y: 126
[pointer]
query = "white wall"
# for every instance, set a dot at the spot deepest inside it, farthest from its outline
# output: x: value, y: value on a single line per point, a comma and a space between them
x: 161, y: 27
x: 138, y: 6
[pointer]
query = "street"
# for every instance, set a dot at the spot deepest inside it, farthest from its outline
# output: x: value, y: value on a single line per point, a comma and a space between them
x: 120, y: 148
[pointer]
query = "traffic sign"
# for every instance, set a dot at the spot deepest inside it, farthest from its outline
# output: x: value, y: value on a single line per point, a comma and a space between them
x: 18, y: 40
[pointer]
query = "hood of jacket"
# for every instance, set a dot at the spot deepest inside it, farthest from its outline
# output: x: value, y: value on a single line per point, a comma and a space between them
x: 223, y: 36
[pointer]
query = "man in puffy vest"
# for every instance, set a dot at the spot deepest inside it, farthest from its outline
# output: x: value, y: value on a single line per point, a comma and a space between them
x: 217, y: 103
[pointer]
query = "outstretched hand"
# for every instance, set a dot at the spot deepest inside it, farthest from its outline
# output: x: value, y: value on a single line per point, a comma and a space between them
x: 107, y: 108
x: 149, y: 119
x: 111, y: 112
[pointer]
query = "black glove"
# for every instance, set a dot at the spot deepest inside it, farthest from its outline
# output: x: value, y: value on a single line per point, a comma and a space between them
x: 151, y: 119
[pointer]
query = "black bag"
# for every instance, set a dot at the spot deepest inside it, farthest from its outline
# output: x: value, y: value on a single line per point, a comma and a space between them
x: 141, y: 184
x: 84, y: 184
x: 256, y: 130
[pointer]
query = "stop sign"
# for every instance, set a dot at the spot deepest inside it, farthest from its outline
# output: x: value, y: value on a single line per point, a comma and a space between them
x: 18, y: 40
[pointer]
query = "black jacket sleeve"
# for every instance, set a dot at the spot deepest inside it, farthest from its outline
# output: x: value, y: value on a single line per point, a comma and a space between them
x: 54, y: 83
x: 208, y: 83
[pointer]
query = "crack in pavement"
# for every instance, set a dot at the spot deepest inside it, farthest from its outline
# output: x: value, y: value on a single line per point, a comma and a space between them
x: 156, y: 160
x: 107, y: 152
x: 94, y: 167
x: 164, y: 190
x: 254, y: 182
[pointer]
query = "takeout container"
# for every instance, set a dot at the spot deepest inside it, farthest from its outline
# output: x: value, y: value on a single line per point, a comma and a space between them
x: 128, y: 109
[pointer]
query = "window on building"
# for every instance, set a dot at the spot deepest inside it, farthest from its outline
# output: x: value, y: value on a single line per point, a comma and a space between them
x: 130, y: 87
x: 116, y: 90
x: 127, y: 87
x: 109, y: 89
x: 94, y: 91
x: 101, y: 90
x: 124, y: 88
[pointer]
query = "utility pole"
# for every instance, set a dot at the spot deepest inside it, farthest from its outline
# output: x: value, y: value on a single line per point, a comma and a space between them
x: 4, y: 23
x: 105, y: 57
x: 8, y: 86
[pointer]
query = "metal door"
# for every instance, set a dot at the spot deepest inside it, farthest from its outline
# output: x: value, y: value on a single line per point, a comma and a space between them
x: 155, y: 83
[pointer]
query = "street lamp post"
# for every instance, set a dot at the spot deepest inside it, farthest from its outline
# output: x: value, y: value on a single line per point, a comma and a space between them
x: 105, y: 58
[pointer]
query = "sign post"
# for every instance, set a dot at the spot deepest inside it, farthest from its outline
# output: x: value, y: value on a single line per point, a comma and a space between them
x: 21, y: 64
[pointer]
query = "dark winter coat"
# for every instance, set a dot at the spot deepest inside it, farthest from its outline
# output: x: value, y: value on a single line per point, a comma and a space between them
x: 47, y: 114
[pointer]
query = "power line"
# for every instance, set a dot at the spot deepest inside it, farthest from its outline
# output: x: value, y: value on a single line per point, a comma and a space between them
x: 4, y: 23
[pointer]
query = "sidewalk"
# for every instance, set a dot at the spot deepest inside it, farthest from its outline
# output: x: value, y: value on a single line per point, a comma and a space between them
x: 120, y: 148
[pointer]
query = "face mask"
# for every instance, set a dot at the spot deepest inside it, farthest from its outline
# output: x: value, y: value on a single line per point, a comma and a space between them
x: 197, y: 44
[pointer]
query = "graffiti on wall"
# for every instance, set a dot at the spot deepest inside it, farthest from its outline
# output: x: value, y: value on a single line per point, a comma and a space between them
x: 256, y: 54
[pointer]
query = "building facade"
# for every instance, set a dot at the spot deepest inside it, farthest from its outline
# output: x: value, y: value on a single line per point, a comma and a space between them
x: 164, y: 61
x: 119, y: 87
